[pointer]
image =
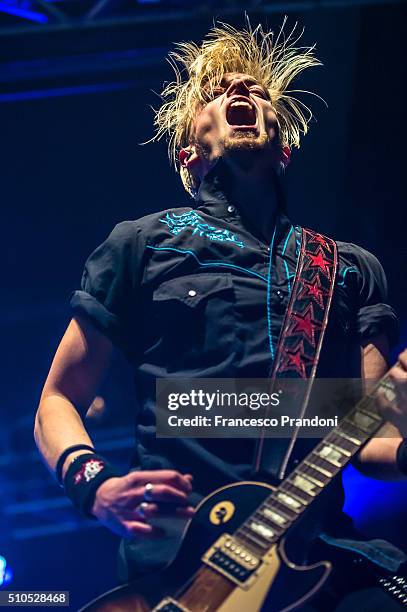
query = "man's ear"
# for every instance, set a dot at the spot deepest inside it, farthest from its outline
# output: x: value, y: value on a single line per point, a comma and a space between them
x: 188, y: 157
x: 285, y: 155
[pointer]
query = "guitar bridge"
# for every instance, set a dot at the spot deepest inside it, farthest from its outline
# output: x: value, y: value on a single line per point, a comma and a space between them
x: 232, y: 559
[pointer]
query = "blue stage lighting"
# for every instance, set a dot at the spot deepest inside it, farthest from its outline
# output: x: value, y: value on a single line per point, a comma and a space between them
x: 6, y: 575
x: 22, y: 10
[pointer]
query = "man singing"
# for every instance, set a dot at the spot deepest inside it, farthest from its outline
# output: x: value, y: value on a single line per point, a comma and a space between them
x: 201, y: 291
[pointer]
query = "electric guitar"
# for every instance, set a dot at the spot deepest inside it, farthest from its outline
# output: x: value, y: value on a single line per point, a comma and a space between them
x: 232, y: 556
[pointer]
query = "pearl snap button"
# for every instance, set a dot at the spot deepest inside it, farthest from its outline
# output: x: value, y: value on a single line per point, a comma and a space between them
x: 192, y: 293
x: 231, y: 209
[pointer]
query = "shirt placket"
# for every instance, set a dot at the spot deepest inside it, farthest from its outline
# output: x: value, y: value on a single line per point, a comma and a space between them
x: 279, y: 267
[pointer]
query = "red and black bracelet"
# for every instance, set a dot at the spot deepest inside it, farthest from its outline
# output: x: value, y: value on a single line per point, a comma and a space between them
x: 83, y: 477
x: 64, y: 455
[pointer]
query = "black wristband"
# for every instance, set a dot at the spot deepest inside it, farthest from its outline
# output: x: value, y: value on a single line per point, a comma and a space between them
x: 401, y: 457
x: 83, y: 477
x: 64, y: 455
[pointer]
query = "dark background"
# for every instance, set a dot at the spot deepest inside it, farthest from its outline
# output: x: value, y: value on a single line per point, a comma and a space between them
x: 74, y: 106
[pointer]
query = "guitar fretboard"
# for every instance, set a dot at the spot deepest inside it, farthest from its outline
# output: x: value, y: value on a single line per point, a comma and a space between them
x: 295, y: 494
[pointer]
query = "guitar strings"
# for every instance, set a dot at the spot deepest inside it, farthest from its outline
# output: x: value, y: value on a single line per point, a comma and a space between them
x: 365, y: 404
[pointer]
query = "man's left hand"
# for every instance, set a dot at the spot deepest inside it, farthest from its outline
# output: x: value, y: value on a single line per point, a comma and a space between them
x: 393, y: 405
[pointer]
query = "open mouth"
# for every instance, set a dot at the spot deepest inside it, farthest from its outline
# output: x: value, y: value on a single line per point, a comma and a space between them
x: 240, y: 113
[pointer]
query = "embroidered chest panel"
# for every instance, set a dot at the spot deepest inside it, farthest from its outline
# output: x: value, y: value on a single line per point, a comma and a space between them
x: 193, y: 222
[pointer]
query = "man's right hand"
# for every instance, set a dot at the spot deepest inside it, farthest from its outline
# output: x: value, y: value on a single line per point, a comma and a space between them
x: 117, y: 501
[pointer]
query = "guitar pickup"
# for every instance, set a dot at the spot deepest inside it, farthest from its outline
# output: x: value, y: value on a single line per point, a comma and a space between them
x: 232, y: 559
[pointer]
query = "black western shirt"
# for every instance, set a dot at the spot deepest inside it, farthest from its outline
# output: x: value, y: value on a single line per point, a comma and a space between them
x: 195, y: 292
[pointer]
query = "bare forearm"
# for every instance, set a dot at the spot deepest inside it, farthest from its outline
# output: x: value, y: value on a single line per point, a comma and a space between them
x: 80, y: 362
x: 57, y: 426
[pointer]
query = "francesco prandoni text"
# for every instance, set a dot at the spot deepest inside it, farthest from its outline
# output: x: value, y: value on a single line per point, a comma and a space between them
x: 220, y: 421
x: 253, y: 401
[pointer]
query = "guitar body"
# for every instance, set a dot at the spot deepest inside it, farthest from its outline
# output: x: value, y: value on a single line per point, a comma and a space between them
x: 192, y: 585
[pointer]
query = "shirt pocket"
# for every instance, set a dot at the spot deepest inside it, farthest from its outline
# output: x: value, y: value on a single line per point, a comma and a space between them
x: 196, y: 319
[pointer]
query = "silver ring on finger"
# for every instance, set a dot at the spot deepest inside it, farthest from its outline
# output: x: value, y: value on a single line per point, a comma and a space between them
x: 148, y: 492
x: 141, y: 509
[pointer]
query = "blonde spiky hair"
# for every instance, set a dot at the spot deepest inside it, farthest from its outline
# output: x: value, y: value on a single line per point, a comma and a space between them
x: 273, y: 61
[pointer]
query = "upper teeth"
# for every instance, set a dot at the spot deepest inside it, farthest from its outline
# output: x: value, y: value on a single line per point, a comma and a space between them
x: 240, y: 103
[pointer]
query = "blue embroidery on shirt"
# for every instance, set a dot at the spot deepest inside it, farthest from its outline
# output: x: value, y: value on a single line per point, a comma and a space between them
x: 269, y: 296
x: 298, y: 237
x: 344, y: 273
x: 211, y: 264
x: 287, y: 272
x: 191, y: 220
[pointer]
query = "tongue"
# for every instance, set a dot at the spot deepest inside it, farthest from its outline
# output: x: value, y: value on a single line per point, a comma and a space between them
x: 240, y: 115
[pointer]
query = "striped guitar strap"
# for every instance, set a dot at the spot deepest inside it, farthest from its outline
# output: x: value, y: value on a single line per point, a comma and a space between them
x: 301, y: 338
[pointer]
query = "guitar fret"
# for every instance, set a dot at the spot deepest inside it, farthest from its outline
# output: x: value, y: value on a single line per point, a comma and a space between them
x: 363, y: 421
x: 267, y: 522
x: 339, y: 449
x: 372, y: 415
x: 304, y: 485
x: 263, y: 530
x: 275, y: 517
x: 350, y: 428
x: 350, y: 439
x: 290, y: 502
x: 331, y: 454
x: 290, y: 499
x: 326, y: 465
x: 353, y: 430
x: 388, y: 388
x: 318, y: 468
x: 347, y: 448
x: 287, y: 512
x: 256, y: 538
x: 314, y: 480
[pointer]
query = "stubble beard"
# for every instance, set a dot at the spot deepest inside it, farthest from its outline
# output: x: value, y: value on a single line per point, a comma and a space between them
x: 248, y: 149
x: 246, y: 140
x: 245, y: 148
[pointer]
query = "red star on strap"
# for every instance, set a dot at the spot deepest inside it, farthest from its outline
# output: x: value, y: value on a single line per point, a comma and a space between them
x: 312, y: 290
x: 295, y: 360
x: 305, y: 324
x: 320, y: 240
x: 318, y: 261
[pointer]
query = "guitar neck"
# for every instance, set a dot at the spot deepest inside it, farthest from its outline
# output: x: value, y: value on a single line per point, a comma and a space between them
x: 297, y: 492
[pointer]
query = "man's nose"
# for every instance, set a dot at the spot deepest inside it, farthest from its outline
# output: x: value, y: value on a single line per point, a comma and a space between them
x: 237, y: 86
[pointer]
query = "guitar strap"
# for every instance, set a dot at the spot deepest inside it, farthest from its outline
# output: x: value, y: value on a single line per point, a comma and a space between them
x: 301, y: 338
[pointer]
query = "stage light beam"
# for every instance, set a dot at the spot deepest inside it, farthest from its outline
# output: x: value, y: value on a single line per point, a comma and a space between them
x: 19, y: 10
x: 6, y: 575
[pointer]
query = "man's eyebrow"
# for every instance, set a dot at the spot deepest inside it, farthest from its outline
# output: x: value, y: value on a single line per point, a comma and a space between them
x: 250, y: 80
x: 226, y: 80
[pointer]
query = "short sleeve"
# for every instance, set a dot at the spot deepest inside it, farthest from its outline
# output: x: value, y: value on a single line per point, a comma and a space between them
x: 109, y: 284
x: 374, y: 315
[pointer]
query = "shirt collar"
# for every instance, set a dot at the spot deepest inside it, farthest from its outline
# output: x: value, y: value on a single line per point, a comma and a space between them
x: 213, y: 200
x: 212, y: 194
